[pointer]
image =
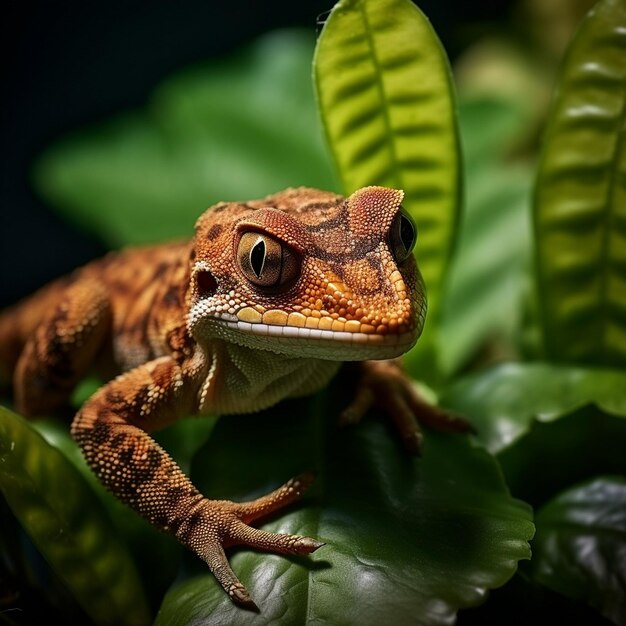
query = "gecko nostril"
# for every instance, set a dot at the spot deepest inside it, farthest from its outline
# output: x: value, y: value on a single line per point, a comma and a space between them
x: 205, y: 283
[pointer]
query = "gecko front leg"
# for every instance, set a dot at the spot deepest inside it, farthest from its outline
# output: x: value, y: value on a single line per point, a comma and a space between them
x: 112, y: 430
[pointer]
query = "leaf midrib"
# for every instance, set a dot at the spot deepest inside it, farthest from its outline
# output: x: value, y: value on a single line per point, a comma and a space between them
x: 381, y: 90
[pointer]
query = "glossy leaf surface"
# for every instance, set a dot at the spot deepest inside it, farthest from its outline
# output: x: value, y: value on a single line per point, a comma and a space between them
x: 385, y: 97
x: 580, y: 547
x: 580, y: 208
x: 68, y: 524
x: 407, y: 540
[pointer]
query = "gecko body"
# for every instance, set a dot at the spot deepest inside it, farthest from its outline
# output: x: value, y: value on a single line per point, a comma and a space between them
x: 264, y: 303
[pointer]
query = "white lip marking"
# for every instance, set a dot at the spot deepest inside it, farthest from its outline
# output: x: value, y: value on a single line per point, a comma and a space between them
x: 285, y: 331
x: 291, y: 334
x: 342, y: 336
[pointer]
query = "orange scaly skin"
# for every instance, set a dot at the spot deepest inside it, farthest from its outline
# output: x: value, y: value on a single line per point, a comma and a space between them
x: 264, y: 303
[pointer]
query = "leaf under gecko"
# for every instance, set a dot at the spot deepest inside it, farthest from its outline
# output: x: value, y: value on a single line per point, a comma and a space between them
x: 407, y: 540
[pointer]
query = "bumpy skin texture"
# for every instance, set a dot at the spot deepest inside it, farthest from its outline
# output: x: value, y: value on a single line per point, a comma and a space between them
x: 263, y: 304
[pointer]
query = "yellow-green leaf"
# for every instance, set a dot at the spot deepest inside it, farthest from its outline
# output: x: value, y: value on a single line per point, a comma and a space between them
x: 580, y: 208
x: 67, y: 523
x: 386, y: 100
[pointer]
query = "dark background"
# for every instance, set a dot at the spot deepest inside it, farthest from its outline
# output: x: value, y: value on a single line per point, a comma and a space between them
x: 70, y: 64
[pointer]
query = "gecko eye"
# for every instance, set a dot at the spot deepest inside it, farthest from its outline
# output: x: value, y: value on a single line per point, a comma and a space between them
x: 265, y: 261
x: 402, y: 236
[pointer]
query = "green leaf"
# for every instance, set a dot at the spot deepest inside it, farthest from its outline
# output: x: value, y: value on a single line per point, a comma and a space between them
x: 215, y: 132
x: 505, y: 400
x: 580, y: 207
x: 155, y: 555
x: 67, y: 523
x: 385, y: 95
x: 488, y: 277
x: 407, y: 540
x: 550, y: 426
x: 580, y: 547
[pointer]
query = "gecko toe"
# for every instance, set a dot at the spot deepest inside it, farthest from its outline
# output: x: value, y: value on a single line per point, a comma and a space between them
x: 414, y: 443
x: 280, y: 543
x: 239, y: 594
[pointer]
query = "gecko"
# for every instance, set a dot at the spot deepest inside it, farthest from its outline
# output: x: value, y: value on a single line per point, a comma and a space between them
x: 265, y: 302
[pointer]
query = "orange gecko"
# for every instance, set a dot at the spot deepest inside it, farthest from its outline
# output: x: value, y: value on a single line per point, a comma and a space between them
x: 265, y: 303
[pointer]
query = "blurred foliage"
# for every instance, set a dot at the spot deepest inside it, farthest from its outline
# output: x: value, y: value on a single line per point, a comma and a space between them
x: 215, y: 132
x: 580, y: 207
x: 489, y: 277
x: 410, y: 541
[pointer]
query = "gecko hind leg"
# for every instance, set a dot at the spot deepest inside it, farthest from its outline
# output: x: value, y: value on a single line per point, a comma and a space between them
x: 60, y: 350
x: 385, y: 384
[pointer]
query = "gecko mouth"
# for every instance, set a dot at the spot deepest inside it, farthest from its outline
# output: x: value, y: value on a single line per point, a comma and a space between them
x: 269, y: 330
x: 314, y: 342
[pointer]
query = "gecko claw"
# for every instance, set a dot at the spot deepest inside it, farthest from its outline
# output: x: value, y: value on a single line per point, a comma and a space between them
x: 414, y: 443
x: 461, y: 424
x: 220, y: 524
x: 302, y: 482
x: 309, y: 545
x: 240, y: 596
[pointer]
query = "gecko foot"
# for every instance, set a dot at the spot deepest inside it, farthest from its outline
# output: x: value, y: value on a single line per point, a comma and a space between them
x: 385, y: 384
x: 217, y: 524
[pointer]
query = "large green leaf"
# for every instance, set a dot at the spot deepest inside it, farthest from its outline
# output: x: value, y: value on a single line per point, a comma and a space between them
x: 580, y: 208
x: 67, y: 523
x: 385, y: 96
x: 580, y: 547
x: 216, y: 132
x: 408, y: 541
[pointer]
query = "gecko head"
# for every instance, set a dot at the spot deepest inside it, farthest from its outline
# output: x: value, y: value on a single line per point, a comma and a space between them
x: 309, y: 273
